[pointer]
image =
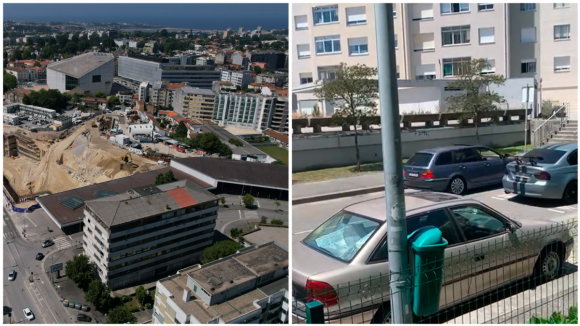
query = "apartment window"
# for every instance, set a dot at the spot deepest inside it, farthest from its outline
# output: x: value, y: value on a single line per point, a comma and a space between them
x: 301, y: 22
x: 325, y: 15
x: 396, y: 41
x: 306, y: 107
x: 425, y: 72
x: 96, y: 78
x: 455, y: 35
x: 528, y: 66
x: 306, y: 78
x: 561, y: 5
x: 327, y: 72
x: 486, y: 35
x: 528, y: 35
x: 562, y: 63
x: 327, y: 44
x: 527, y: 6
x: 394, y: 10
x: 303, y: 51
x: 356, y: 16
x: 484, y: 6
x: 490, y: 68
x: 424, y: 42
x: 562, y: 32
x: 398, y: 73
x: 422, y: 11
x: 358, y: 46
x: 454, y: 66
x: 453, y: 8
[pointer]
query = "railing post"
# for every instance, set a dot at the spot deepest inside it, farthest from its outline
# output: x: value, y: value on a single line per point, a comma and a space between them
x: 314, y: 312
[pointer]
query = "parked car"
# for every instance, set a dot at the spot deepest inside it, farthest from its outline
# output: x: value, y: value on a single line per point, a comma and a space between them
x: 455, y: 168
x: 11, y: 275
x: 486, y: 250
x: 161, y: 163
x: 28, y: 314
x: 549, y: 171
x: 39, y: 256
x: 47, y: 243
x: 78, y: 306
x: 83, y: 317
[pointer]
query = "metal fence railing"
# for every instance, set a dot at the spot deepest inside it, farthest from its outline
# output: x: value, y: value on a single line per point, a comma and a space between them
x: 510, y: 277
x: 554, y: 123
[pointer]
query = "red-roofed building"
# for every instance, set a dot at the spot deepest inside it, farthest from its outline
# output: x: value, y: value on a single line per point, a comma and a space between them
x: 95, y: 103
x: 280, y: 138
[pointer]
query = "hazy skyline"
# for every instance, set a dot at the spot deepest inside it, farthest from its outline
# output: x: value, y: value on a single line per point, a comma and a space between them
x: 175, y: 15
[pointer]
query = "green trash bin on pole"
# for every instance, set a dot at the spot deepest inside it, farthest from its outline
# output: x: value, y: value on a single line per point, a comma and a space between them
x: 428, y: 252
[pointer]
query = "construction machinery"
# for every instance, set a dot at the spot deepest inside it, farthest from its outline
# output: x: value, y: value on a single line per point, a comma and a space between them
x: 50, y: 141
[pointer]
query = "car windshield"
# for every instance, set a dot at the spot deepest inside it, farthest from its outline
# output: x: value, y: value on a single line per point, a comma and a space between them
x: 545, y: 156
x: 420, y: 159
x: 342, y: 236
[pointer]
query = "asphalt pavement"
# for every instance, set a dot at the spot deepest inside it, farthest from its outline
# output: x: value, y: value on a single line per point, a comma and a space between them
x: 237, y: 216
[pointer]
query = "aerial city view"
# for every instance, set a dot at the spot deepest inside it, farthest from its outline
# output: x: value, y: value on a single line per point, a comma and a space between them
x: 146, y: 163
x: 434, y: 163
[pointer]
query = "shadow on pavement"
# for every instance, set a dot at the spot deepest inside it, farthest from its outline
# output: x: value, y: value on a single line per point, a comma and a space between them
x: 537, y: 202
x: 218, y: 236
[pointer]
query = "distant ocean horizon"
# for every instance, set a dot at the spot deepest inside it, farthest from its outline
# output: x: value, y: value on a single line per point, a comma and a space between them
x: 155, y: 30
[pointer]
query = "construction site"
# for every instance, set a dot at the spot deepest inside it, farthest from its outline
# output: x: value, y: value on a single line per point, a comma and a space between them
x: 52, y: 162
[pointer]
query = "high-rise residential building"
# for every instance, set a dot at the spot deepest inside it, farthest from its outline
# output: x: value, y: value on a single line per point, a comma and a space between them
x: 194, y: 103
x: 433, y: 39
x: 252, y: 111
x: 248, y: 287
x: 147, y: 231
x: 159, y: 93
x: 279, y: 121
x: 91, y: 71
x: 237, y: 78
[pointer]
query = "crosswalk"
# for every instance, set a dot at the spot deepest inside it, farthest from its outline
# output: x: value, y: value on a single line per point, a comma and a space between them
x: 251, y: 214
x: 61, y: 243
x: 9, y: 235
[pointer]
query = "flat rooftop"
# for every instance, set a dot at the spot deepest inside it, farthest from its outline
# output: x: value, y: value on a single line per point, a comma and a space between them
x: 243, y: 172
x: 199, y: 91
x: 65, y: 215
x: 268, y: 234
x: 225, y: 136
x: 265, y: 259
x: 222, y: 275
x: 80, y: 65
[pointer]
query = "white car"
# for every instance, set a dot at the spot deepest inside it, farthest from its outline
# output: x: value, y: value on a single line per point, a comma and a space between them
x: 161, y: 163
x: 28, y: 314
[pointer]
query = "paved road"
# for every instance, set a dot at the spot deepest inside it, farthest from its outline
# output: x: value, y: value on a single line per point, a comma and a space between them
x: 236, y: 216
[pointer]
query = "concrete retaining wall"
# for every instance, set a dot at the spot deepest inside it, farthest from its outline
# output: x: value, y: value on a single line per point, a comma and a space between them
x: 326, y: 150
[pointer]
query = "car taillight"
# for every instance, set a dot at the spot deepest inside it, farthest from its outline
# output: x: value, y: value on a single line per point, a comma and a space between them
x: 404, y: 174
x: 322, y: 292
x: 428, y: 175
x: 543, y: 175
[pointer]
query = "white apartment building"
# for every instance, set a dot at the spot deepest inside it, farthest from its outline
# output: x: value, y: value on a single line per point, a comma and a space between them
x: 252, y: 111
x: 431, y: 40
x: 237, y: 78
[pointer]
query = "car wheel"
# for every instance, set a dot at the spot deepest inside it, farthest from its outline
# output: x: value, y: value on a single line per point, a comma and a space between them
x: 570, y: 196
x: 549, y: 265
x: 383, y: 315
x: 457, y: 186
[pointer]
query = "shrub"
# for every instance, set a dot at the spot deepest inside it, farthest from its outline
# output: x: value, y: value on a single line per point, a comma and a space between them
x: 148, y: 305
x: 134, y: 309
x: 277, y: 222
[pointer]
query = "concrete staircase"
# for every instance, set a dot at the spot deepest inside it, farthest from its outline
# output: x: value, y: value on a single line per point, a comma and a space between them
x: 568, y: 133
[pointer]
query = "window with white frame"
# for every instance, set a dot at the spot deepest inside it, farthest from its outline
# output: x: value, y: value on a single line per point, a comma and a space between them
x: 453, y: 8
x: 489, y: 68
x: 562, y: 63
x: 356, y: 16
x: 486, y: 35
x: 424, y: 42
x: 561, y: 5
x: 562, y: 32
x: 306, y: 107
x: 528, y: 66
x: 325, y: 14
x: 301, y: 22
x: 454, y: 66
x: 527, y: 6
x: 303, y: 51
x: 484, y: 6
x: 422, y: 11
x: 328, y: 72
x: 528, y: 35
x: 327, y: 44
x: 455, y: 35
x: 306, y: 78
x: 425, y: 72
x: 396, y: 41
x: 358, y: 46
x: 394, y: 10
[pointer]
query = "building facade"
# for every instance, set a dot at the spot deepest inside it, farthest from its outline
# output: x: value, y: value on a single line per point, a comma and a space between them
x: 194, y: 103
x: 91, y: 71
x: 237, y: 78
x: 433, y: 40
x: 152, y: 231
x: 252, y: 111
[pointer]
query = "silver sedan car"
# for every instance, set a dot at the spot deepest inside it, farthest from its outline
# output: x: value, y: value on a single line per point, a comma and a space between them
x: 344, y: 262
x: 549, y: 171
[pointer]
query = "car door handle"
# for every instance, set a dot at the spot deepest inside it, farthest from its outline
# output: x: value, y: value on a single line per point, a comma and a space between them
x: 479, y: 258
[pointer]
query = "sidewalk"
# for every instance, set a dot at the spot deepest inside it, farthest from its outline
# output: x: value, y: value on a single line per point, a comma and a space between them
x: 318, y: 191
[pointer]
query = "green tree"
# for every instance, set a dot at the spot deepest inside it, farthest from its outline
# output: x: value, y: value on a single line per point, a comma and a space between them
x: 223, y: 200
x: 100, y: 94
x: 248, y: 200
x: 278, y: 163
x: 26, y: 55
x: 114, y: 101
x: 75, y: 39
x: 219, y: 250
x: 16, y: 55
x: 263, y: 220
x: 62, y: 40
x: 476, y: 96
x: 181, y: 130
x: 10, y: 82
x: 29, y: 41
x: 140, y: 293
x: 277, y: 222
x: 163, y: 33
x: 235, y: 142
x: 82, y: 45
x: 98, y: 294
x: 41, y: 42
x: 108, y: 43
x: 277, y: 204
x: 71, y: 48
x: 235, y: 232
x: 120, y: 315
x: 159, y: 179
x: 52, y: 41
x: 354, y: 93
x: 169, y: 177
x: 37, y: 64
x: 257, y: 70
x: 80, y: 271
x: 76, y: 98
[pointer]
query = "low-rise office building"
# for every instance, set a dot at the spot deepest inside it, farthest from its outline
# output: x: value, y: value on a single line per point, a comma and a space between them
x: 29, y: 109
x: 194, y: 102
x: 250, y: 286
x: 148, y: 231
x: 237, y: 78
x: 91, y: 71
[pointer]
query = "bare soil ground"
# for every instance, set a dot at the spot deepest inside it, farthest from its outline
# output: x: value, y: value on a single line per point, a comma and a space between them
x: 94, y: 160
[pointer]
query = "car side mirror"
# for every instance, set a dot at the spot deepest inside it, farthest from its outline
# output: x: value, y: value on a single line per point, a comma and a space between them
x: 512, y: 228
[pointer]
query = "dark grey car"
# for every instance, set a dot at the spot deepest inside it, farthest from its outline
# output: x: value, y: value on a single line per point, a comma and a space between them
x: 455, y: 168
